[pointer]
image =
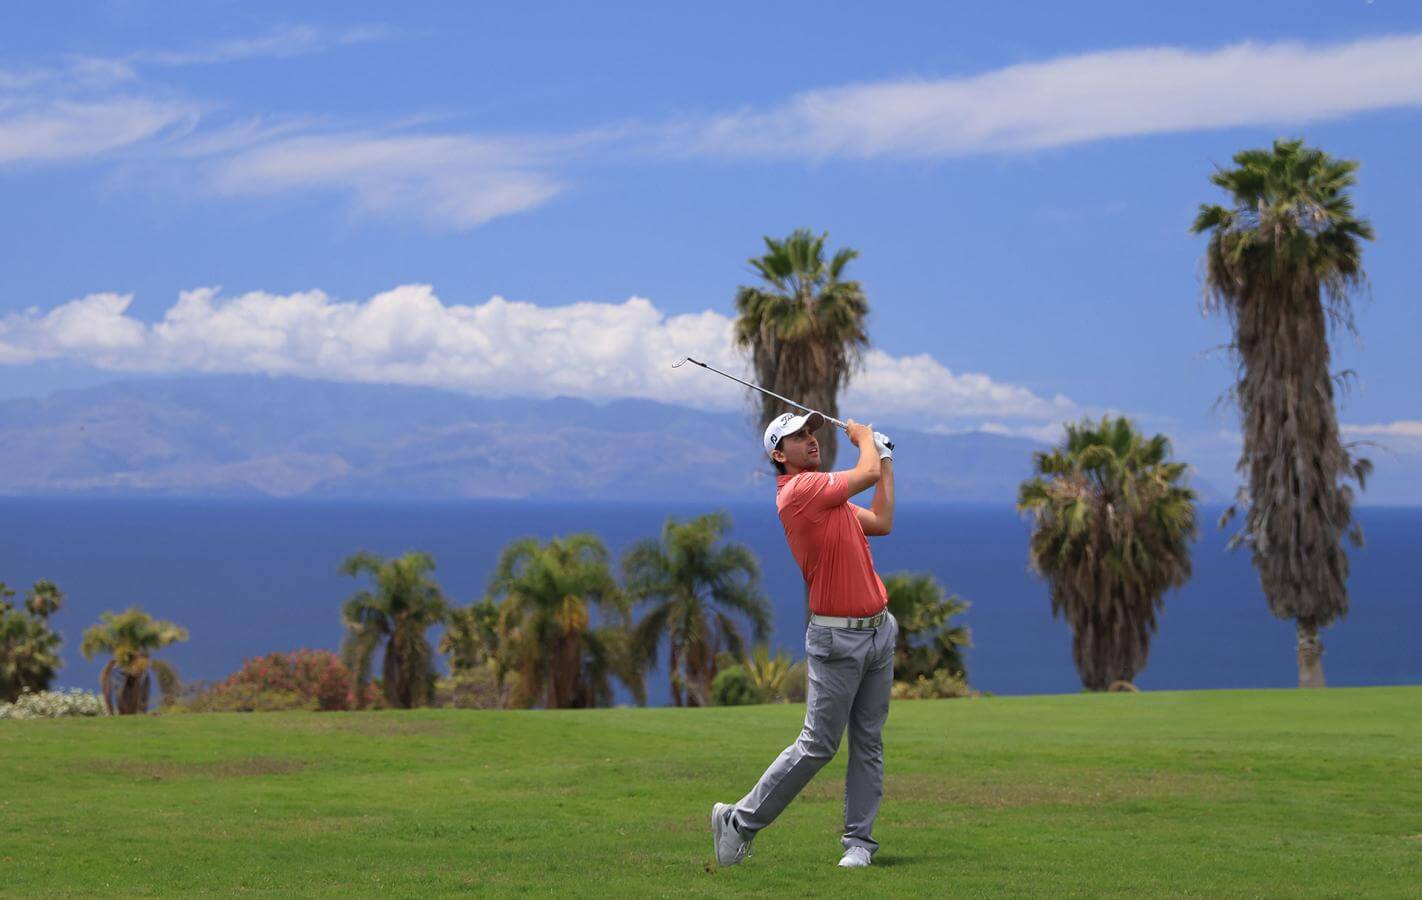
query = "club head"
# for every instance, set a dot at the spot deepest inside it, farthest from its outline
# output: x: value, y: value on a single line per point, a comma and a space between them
x: 681, y: 361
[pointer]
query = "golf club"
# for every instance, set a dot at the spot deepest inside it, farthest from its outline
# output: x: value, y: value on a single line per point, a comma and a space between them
x: 755, y: 387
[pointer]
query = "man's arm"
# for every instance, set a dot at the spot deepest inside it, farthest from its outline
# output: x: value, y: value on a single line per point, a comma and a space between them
x: 878, y: 519
x: 865, y: 473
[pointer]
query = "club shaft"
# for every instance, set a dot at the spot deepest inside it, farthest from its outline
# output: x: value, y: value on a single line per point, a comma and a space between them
x: 755, y: 387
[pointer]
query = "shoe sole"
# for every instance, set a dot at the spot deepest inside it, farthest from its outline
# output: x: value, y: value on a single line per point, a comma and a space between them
x: 716, y: 832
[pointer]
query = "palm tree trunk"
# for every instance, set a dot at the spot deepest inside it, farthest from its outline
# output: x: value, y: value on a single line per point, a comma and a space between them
x: 1310, y: 655
x: 133, y: 696
x: 106, y: 686
x: 672, y: 674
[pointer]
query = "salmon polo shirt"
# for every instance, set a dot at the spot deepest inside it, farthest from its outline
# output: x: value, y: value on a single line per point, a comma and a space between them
x: 829, y: 544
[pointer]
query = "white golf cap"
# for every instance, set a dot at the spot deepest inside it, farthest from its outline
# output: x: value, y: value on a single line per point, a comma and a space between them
x: 787, y: 424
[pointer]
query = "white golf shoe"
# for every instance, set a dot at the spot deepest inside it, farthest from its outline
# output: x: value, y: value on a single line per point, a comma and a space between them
x: 854, y: 858
x: 731, y: 848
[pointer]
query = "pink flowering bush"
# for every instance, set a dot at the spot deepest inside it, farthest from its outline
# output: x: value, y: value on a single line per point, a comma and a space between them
x: 303, y: 679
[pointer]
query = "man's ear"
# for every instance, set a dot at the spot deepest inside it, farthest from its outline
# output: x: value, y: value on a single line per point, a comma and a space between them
x: 778, y: 456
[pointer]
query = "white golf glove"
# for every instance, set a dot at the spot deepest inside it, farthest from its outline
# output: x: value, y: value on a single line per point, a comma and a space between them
x: 881, y: 443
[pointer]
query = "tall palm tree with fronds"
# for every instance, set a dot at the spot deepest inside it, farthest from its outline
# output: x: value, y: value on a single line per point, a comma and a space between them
x: 803, y: 327
x: 1112, y: 527
x: 29, y: 653
x: 131, y: 637
x: 563, y: 623
x: 405, y: 604
x: 698, y: 587
x: 29, y: 648
x: 928, y: 639
x: 1283, y: 262
x: 44, y: 599
x: 471, y: 635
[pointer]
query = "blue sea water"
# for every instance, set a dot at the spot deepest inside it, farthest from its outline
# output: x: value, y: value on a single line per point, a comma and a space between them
x: 247, y: 578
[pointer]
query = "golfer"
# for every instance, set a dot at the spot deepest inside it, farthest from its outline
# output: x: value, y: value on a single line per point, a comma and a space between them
x: 849, y: 643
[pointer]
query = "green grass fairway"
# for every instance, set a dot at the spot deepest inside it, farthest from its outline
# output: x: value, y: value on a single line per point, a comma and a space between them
x: 1276, y: 793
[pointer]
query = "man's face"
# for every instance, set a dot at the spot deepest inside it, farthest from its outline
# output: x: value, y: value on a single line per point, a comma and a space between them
x: 800, y: 451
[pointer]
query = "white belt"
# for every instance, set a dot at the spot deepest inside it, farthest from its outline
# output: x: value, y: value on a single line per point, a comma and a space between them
x: 873, y: 621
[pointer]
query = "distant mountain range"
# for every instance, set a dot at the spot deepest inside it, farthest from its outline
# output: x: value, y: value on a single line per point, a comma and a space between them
x: 254, y: 436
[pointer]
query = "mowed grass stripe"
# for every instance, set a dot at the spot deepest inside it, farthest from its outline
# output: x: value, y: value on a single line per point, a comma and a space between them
x: 1210, y: 793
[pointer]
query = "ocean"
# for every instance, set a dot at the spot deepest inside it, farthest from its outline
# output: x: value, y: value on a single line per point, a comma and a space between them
x: 249, y: 577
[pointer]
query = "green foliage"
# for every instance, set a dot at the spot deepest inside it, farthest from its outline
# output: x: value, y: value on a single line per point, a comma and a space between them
x: 776, y: 679
x: 1283, y: 262
x: 697, y: 589
x: 471, y: 635
x: 803, y: 326
x: 29, y: 649
x: 130, y: 638
x: 734, y: 686
x: 471, y: 688
x: 547, y: 595
x: 1112, y: 527
x: 44, y: 599
x: 244, y: 697
x: 405, y: 604
x: 940, y: 684
x: 928, y: 641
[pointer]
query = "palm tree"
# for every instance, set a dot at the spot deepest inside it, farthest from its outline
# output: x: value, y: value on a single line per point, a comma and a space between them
x: 44, y: 599
x: 697, y: 587
x: 131, y: 637
x: 1112, y: 528
x: 1282, y: 264
x: 29, y: 653
x: 927, y: 640
x: 803, y: 327
x: 405, y: 604
x: 29, y: 648
x: 471, y: 635
x: 548, y: 594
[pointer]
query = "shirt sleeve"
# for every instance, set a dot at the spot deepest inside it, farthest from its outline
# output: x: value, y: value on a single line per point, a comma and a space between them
x: 817, y: 491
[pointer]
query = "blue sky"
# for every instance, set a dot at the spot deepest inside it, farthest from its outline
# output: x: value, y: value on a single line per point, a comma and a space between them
x: 341, y: 191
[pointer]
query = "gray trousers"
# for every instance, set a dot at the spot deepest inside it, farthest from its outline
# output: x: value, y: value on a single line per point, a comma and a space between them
x: 851, y: 673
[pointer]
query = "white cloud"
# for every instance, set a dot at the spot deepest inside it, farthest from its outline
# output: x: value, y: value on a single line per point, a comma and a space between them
x: 409, y: 336
x: 70, y: 129
x: 1050, y: 433
x: 460, y: 182
x: 1074, y: 99
x: 1408, y: 429
x: 289, y: 41
x: 908, y: 384
x: 90, y: 106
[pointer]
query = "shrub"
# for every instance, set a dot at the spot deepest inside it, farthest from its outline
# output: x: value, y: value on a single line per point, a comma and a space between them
x: 796, y: 686
x: 304, y: 679
x: 314, y: 676
x: 734, y: 687
x: 53, y: 705
x: 244, y: 698
x: 473, y: 688
x: 943, y: 684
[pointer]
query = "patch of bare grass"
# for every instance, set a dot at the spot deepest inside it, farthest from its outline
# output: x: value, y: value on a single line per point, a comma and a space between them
x: 373, y: 724
x: 160, y: 770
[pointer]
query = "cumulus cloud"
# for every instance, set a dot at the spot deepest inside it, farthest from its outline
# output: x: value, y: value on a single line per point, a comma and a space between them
x: 1074, y: 99
x: 408, y: 335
